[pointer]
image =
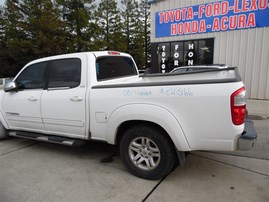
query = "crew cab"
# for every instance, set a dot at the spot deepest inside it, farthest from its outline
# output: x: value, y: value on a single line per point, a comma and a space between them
x: 154, y: 118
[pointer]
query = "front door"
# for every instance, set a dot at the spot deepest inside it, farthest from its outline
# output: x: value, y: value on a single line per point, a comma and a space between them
x: 22, y: 107
x: 63, y: 101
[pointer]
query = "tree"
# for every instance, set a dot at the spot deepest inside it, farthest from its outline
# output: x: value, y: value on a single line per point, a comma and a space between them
x: 130, y: 14
x: 31, y: 29
x: 77, y: 14
x: 108, y: 18
x: 2, y: 27
x: 44, y: 27
x: 34, y: 29
x: 3, y: 62
x: 15, y: 38
x: 145, y: 11
x: 137, y: 30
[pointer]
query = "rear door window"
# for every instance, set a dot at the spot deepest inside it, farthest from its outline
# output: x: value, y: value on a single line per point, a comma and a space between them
x: 65, y: 73
x: 111, y: 67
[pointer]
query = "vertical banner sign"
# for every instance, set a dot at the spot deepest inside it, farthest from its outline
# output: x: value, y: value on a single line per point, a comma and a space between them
x: 190, y: 54
x: 163, y: 58
x: 164, y: 55
x: 212, y: 17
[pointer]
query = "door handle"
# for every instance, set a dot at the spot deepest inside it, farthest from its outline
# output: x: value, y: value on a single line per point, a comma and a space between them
x: 76, y: 99
x: 32, y: 99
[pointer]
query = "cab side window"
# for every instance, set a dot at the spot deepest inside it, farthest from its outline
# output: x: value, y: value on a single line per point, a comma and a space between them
x: 65, y: 73
x: 32, y: 77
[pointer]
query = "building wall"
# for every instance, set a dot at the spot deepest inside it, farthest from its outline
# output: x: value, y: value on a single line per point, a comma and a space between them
x: 246, y: 49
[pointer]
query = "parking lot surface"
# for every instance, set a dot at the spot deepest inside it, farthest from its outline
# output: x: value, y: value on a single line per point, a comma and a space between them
x: 38, y: 171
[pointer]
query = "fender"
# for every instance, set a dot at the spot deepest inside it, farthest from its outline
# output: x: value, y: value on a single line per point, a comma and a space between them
x: 151, y: 113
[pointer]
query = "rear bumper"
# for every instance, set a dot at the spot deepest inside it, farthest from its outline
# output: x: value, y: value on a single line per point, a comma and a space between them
x: 248, y: 137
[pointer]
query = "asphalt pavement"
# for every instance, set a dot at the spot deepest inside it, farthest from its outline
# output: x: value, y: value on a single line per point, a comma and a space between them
x: 37, y: 171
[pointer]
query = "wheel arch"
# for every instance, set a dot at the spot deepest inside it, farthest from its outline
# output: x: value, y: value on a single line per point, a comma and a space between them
x: 127, y: 124
x: 153, y: 115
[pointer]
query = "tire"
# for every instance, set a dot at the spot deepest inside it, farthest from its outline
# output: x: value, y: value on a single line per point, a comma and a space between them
x: 3, y: 133
x: 147, y: 152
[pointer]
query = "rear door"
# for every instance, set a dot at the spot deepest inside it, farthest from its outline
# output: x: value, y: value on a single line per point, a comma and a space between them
x: 63, y: 100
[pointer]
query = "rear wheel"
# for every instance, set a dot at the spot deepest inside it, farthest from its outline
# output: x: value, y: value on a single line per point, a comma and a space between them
x: 147, y: 152
x: 3, y: 133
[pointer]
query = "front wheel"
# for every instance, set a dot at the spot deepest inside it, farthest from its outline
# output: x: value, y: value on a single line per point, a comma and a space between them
x: 147, y: 152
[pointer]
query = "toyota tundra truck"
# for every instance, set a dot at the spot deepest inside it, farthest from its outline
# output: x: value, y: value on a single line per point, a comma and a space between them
x: 153, y: 118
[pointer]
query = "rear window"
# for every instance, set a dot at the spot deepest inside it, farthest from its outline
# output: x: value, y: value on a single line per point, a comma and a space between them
x: 110, y: 67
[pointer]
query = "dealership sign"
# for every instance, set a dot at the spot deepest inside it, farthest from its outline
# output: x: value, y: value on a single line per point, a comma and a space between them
x: 212, y: 17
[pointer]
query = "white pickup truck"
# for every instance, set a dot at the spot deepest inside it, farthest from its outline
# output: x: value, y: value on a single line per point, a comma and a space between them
x: 154, y: 118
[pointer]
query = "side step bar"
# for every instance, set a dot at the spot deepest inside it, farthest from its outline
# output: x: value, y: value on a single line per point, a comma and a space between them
x: 48, y: 138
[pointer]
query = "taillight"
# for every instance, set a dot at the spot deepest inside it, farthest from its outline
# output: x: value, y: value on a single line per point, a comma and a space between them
x: 238, y: 106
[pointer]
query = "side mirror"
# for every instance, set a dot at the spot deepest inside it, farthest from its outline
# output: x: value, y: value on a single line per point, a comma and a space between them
x: 10, y: 86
